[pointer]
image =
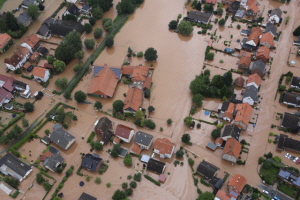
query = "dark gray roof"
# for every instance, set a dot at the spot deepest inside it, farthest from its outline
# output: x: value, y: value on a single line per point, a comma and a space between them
x: 85, y: 196
x: 155, y: 166
x: 57, y: 125
x: 277, y: 12
x: 251, y: 91
x: 234, y: 7
x: 86, y: 7
x: 292, y: 144
x: 15, y: 164
x: 104, y: 124
x: 246, y: 32
x: 202, y: 17
x: 53, y: 162
x: 216, y: 182
x: 73, y: 10
x: 43, y: 50
x: 271, y: 28
x: 24, y: 18
x: 247, y: 46
x: 260, y: 65
x: 46, y: 139
x: 231, y: 130
x: 19, y: 84
x: 292, y: 98
x: 207, y: 170
x: 53, y: 150
x: 295, y: 82
x: 290, y: 121
x: 225, y: 106
x: 143, y: 138
x: 27, y: 2
x: 61, y: 137
x: 240, y: 13
x: 91, y: 162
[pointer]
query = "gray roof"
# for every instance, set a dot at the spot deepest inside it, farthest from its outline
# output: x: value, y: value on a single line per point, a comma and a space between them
x: 156, y: 166
x: 61, y: 137
x: 86, y: 7
x: 258, y: 64
x: 292, y: 98
x: 271, y: 28
x: 103, y: 124
x: 211, y: 146
x: 53, y: 162
x: 203, y: 17
x: 240, y: 13
x: 57, y: 125
x: 251, y: 91
x: 295, y: 82
x: 231, y: 130
x: 143, y: 138
x: 73, y: 10
x: 246, y: 32
x: 24, y: 18
x: 85, y: 196
x: 46, y: 139
x: 27, y: 2
x: 277, y: 12
x: 290, y: 121
x: 290, y: 176
x: 91, y: 162
x: 225, y: 106
x: 15, y: 164
x: 207, y: 169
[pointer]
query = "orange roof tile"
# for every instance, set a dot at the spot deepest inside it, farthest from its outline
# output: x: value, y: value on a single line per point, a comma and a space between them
x: 245, y: 60
x: 229, y: 112
x: 222, y: 195
x: 135, y: 148
x: 239, y: 81
x: 31, y: 40
x: 127, y: 70
x: 264, y: 52
x: 147, y: 83
x: 244, y: 112
x: 163, y: 145
x: 252, y: 5
x: 13, y: 60
x: 35, y: 56
x: 254, y: 35
x: 211, y: 1
x: 133, y: 99
x: 254, y: 78
x: 21, y: 51
x: 219, y: 140
x: 117, y: 140
x: 26, y: 65
x: 104, y: 83
x: 245, y: 53
x: 123, y: 131
x: 238, y: 182
x: 139, y: 73
x: 232, y: 147
x: 39, y: 72
x: 267, y: 37
x: 4, y: 39
x: 46, y: 155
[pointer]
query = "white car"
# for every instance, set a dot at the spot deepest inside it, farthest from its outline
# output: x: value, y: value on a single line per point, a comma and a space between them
x: 265, y: 191
x: 295, y: 160
x: 287, y: 155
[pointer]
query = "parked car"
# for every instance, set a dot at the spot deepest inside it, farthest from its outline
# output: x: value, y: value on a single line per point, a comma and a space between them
x: 296, y: 159
x: 265, y: 191
x: 298, y: 162
x: 292, y: 157
x: 287, y: 155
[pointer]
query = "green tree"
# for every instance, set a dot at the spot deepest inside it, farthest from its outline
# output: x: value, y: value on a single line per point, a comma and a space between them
x: 25, y: 122
x: 188, y: 121
x: 97, y: 12
x: 127, y: 160
x: 89, y: 43
x: 173, y: 24
x: 11, y: 22
x: 151, y: 109
x: 104, y: 4
x: 219, y: 11
x: 33, y: 11
x: 179, y: 153
x: 139, y: 114
x: 107, y: 24
x: 216, y: 133
x: 59, y: 66
x: 208, y: 7
x: 77, y: 67
x: 79, y: 55
x: 147, y: 93
x: 228, y: 78
x: 109, y: 41
x: 150, y: 124
x: 124, y: 185
x: 98, y: 180
x: 11, y: 181
x: 198, y: 86
x: 67, y: 95
x: 185, y: 27
x: 238, y: 26
x: 98, y: 33
x: 197, y: 99
x: 119, y: 195
x: 191, y: 162
x: 185, y: 138
x: 47, y: 186
x: 118, y: 105
x: 282, y: 88
x: 115, y: 151
x: 217, y: 81
x: 125, y: 7
x: 222, y: 22
x: 210, y: 56
x: 80, y: 96
x: 92, y: 20
x: 96, y: 145
x: 198, y: 6
x: 169, y: 121
x: 61, y: 82
x: 150, y: 54
x: 297, y: 31
x: 98, y: 105
x: 39, y: 178
x: 29, y: 107
x: 206, y: 196
x: 129, y: 191
x: 133, y: 184
x: 50, y: 59
x: 137, y: 177
x: 88, y: 27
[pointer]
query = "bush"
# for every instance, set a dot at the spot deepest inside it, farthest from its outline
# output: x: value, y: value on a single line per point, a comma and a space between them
x: 92, y: 20
x: 47, y: 131
x: 89, y: 43
x: 149, y: 123
x: 127, y: 160
x: 216, y: 133
x: 179, y: 153
x: 173, y: 24
x: 88, y: 27
x: 188, y: 121
x: 107, y: 24
x: 124, y: 185
x: 185, y: 28
x: 80, y: 96
x: 238, y: 26
x: 109, y: 42
x: 77, y: 67
x: 210, y: 56
x: 133, y: 184
x: 29, y: 107
x: 118, y: 105
x: 185, y: 138
x: 108, y: 185
x: 140, y: 54
x: 152, y: 180
x: 169, y: 121
x: 98, y: 180
x: 98, y: 33
x: 137, y: 177
x: 222, y: 22
x: 39, y: 178
x: 147, y: 93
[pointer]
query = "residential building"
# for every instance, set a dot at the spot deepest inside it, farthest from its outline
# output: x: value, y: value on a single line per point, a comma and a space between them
x: 253, y: 38
x: 295, y: 82
x: 222, y: 196
x: 231, y: 131
x: 255, y: 80
x: 228, y: 114
x: 45, y: 155
x: 263, y: 53
x: 134, y: 100
x: 291, y: 99
x: 207, y: 170
x: 32, y: 41
x: 11, y: 165
x: 72, y: 10
x: 144, y: 140
x: 163, y: 147
x: 258, y: 67
x: 71, y: 1
x: 24, y: 19
x: 139, y: 74
x: 251, y: 8
x: 104, y: 128
x: 234, y: 6
x: 290, y: 122
x: 5, y: 42
x: 232, y: 149
x: 17, y: 60
x: 240, y: 13
x: 236, y: 184
x: 156, y: 166
x: 211, y: 1
x: 62, y: 138
x: 5, y: 96
x: 104, y: 81
x: 34, y: 58
x: 244, y: 62
x: 40, y: 74
x: 26, y: 3
x: 199, y: 17
x: 85, y: 196
x: 275, y: 16
x: 286, y: 143
x: 243, y: 3
x: 86, y: 9
x: 125, y: 133
x: 267, y: 39
x: 243, y: 115
x: 239, y: 81
x: 91, y: 162
x: 270, y: 28
x: 23, y: 88
x: 245, y: 53
x: 53, y: 162
x: 7, y: 83
x: 250, y: 95
x: 290, y: 177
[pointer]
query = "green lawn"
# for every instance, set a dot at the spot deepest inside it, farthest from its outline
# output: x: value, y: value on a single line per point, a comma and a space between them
x: 1, y: 3
x: 268, y: 173
x: 287, y: 189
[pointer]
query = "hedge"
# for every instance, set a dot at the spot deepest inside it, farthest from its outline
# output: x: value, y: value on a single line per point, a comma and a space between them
x: 152, y: 180
x: 11, y: 122
x: 27, y: 77
x: 91, y: 137
x: 78, y: 171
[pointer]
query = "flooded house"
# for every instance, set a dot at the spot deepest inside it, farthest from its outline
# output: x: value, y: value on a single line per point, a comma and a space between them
x: 32, y: 42
x: 255, y: 80
x: 267, y: 39
x: 104, y: 81
x: 243, y: 113
x: 53, y: 162
x: 26, y: 3
x: 163, y: 147
x: 40, y: 74
x: 270, y: 28
x: 286, y: 143
x: 275, y: 16
x: 85, y: 196
x: 263, y: 54
x: 24, y: 19
x: 11, y: 165
x: 253, y: 38
x: 290, y: 122
x: 61, y: 137
x: 19, y: 57
x: 221, y: 195
x: 5, y: 42
x: 228, y: 114
x: 104, y: 128
x: 244, y: 62
x: 91, y: 162
x: 239, y: 82
x: 156, y: 166
x: 251, y: 8
x: 231, y: 131
x: 72, y: 10
x: 258, y: 67
x: 250, y: 95
x: 295, y: 82
x: 236, y: 184
x: 232, y: 149
x: 125, y: 133
x: 291, y: 99
x: 134, y: 100
x: 141, y: 141
x: 207, y: 170
x: 139, y: 75
x: 290, y: 177
x: 5, y: 97
x: 22, y: 88
x: 199, y: 17
x: 86, y: 9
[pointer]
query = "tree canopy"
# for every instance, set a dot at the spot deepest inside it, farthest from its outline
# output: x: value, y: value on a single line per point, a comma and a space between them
x: 118, y: 105
x: 59, y: 66
x: 206, y: 196
x: 216, y: 133
x: 125, y: 7
x: 127, y: 160
x: 173, y: 24
x: 185, y: 27
x: 97, y: 12
x: 107, y: 24
x: 119, y: 195
x: 150, y: 54
x: 61, y: 82
x: 80, y: 96
x: 104, y: 4
x: 297, y: 31
x: 29, y: 107
x: 89, y: 43
x: 222, y: 22
x: 98, y: 105
x: 33, y: 11
x: 98, y: 33
x: 185, y: 138
x: 197, y: 99
x: 109, y: 42
x: 88, y: 27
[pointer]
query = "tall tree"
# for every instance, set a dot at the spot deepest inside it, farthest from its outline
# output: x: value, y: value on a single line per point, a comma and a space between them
x: 80, y: 96
x: 104, y: 4
x: 125, y: 7
x: 33, y: 11
x: 11, y: 21
x: 59, y: 66
x: 185, y: 27
x: 228, y: 78
x: 150, y: 54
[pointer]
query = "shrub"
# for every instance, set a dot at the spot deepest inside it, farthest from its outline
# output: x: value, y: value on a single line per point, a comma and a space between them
x: 109, y: 42
x: 173, y: 24
x: 98, y: 180
x: 98, y: 33
x: 169, y: 121
x: 124, y: 185
x: 137, y: 177
x: 210, y: 56
x: 127, y: 160
x: 152, y: 180
x: 92, y: 20
x: 108, y: 185
x: 216, y: 133
x: 47, y: 131
x: 29, y: 107
x: 80, y: 96
x: 140, y: 54
x: 88, y: 27
x: 133, y: 184
x: 89, y: 43
x: 179, y: 153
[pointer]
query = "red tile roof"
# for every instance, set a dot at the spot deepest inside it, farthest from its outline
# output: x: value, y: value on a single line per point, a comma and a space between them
x: 147, y: 83
x: 163, y: 145
x: 238, y: 182
x: 254, y: 35
x: 31, y: 40
x: 133, y: 99
x: 254, y: 78
x: 263, y: 52
x: 5, y: 94
x: 140, y: 73
x: 46, y: 155
x: 8, y: 82
x: 39, y: 72
x: 13, y: 60
x: 239, y: 81
x: 123, y: 131
x: 232, y: 148
x: 162, y: 178
x: 211, y: 1
x: 26, y: 65
x: 135, y: 148
x: 117, y: 140
x: 229, y: 112
x: 35, y: 56
x: 252, y: 5
x: 104, y: 83
x: 222, y: 195
x: 4, y: 39
x: 219, y: 140
x: 267, y: 37
x: 127, y: 70
x: 22, y: 51
x: 244, y: 112
x: 245, y: 60
x: 245, y: 53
